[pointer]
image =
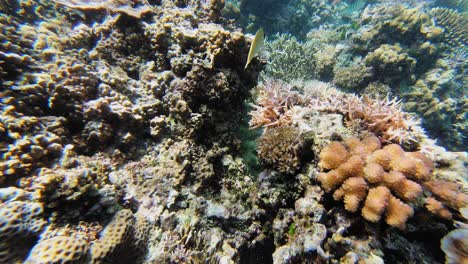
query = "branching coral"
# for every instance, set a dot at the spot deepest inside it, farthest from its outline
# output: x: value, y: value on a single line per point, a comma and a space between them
x: 450, y: 193
x: 289, y: 59
x: 274, y: 103
x: 383, y: 117
x: 388, y: 173
x: 455, y: 25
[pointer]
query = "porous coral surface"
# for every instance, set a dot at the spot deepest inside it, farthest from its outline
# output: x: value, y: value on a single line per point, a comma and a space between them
x: 124, y: 136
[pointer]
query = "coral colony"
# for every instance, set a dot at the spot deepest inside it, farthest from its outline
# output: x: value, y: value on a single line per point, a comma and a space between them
x: 233, y: 131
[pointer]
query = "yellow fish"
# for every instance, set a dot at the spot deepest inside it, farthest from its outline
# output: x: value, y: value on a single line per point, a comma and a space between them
x: 257, y: 43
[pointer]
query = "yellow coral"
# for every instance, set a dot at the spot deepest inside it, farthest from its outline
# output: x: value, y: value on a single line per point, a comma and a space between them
x: 353, y: 191
x: 388, y: 172
x: 437, y: 208
x: 375, y: 204
x: 397, y: 212
x: 333, y: 155
x: 450, y: 193
x: 59, y: 249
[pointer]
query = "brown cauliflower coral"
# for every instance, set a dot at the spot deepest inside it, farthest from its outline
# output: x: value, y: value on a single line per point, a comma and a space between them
x: 385, y: 179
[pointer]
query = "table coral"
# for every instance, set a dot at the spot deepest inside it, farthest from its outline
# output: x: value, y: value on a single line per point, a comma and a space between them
x: 451, y: 193
x: 387, y: 173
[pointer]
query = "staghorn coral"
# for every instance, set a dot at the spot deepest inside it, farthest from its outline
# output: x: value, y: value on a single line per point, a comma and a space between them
x: 281, y: 148
x: 289, y: 59
x: 273, y: 105
x: 383, y: 117
x: 386, y: 172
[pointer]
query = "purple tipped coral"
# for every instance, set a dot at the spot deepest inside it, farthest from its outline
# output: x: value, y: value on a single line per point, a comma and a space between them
x: 383, y: 117
x: 274, y: 103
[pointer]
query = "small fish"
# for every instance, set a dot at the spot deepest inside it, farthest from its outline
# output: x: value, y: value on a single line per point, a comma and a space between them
x: 257, y: 43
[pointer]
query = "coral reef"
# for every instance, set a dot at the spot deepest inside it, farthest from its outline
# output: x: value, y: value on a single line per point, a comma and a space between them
x: 454, y: 25
x: 278, y: 104
x: 390, y: 64
x: 273, y: 105
x: 123, y: 133
x: 351, y: 78
x: 289, y: 59
x: 281, y: 148
x: 296, y: 16
x: 436, y: 98
x: 417, y: 60
x: 359, y: 166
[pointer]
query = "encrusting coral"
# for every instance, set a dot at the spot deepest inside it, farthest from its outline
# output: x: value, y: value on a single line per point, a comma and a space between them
x: 379, y: 176
x: 450, y: 193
